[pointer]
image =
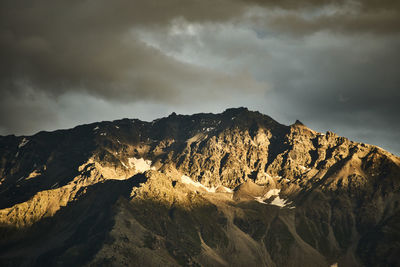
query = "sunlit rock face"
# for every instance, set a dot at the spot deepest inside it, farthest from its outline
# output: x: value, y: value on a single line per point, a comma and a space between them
x: 229, y: 189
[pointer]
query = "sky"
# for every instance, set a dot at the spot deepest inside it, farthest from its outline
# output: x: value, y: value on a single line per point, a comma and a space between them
x: 334, y: 65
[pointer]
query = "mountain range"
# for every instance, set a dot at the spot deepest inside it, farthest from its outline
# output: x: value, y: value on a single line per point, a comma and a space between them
x: 230, y: 189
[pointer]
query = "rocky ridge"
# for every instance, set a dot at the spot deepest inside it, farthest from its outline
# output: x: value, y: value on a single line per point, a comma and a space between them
x: 227, y: 189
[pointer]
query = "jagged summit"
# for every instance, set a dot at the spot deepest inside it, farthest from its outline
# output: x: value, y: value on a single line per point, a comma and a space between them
x: 236, y: 111
x: 207, y: 189
x: 299, y: 123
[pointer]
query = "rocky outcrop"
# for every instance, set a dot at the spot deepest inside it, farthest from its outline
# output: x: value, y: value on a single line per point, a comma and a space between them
x: 227, y: 189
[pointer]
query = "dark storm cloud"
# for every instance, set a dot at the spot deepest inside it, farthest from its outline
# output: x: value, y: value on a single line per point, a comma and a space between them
x: 351, y: 17
x: 364, y: 5
x: 90, y: 46
x: 384, y: 22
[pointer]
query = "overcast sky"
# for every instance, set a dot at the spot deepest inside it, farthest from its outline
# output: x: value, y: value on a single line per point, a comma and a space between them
x: 334, y: 65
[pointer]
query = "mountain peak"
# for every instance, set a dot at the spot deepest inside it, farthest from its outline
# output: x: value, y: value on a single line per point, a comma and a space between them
x: 298, y: 123
x: 236, y: 111
x: 233, y: 180
x: 172, y: 115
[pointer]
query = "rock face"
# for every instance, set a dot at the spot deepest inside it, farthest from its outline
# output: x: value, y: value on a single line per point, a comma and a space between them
x: 229, y: 189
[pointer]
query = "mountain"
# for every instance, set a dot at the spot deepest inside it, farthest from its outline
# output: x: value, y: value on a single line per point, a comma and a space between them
x: 229, y: 189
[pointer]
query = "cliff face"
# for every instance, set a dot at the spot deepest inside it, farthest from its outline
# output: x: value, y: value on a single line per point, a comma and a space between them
x: 227, y: 189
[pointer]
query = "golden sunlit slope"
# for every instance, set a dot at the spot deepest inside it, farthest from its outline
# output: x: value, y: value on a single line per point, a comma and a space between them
x: 228, y: 189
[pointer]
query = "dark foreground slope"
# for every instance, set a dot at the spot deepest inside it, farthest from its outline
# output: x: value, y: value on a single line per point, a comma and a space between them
x: 230, y: 189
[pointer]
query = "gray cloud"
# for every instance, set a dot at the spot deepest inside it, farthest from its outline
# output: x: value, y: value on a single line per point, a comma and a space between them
x: 90, y: 46
x: 383, y: 22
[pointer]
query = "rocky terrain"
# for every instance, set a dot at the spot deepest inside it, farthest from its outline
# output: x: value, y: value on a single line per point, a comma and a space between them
x: 229, y: 189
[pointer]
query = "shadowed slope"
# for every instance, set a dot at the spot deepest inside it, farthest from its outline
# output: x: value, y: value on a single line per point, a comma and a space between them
x: 235, y: 188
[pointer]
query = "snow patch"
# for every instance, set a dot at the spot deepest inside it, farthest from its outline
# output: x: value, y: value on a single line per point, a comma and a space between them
x: 186, y: 180
x: 228, y: 190
x: 96, y: 128
x: 304, y: 168
x: 277, y: 201
x: 116, y: 127
x: 140, y: 165
x: 104, y: 134
x: 24, y: 141
x: 271, y: 193
x: 123, y: 164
